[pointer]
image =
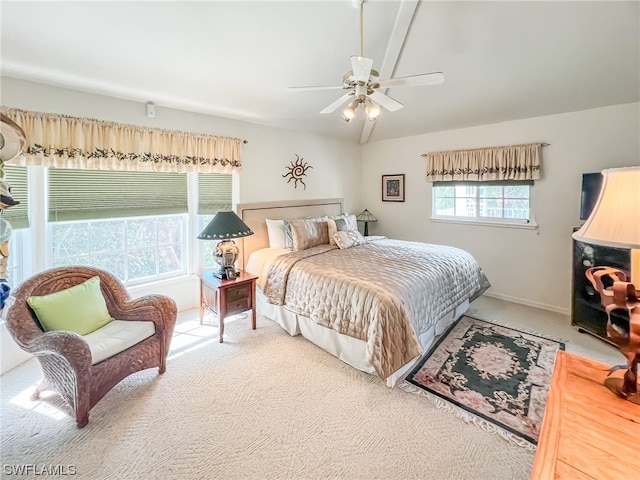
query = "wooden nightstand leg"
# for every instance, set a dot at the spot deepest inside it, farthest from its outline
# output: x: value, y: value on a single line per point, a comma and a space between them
x: 222, y: 310
x: 253, y: 304
x: 201, y: 312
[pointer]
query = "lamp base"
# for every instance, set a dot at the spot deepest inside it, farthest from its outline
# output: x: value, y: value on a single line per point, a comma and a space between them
x: 615, y: 385
x: 225, y: 256
x: 226, y: 273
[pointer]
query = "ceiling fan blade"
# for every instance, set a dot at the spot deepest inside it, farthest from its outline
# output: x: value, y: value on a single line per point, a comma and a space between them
x: 308, y: 89
x: 385, y: 101
x: 435, y: 78
x: 337, y: 103
x: 361, y: 67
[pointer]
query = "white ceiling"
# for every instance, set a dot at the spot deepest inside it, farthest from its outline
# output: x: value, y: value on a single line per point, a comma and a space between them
x: 233, y: 59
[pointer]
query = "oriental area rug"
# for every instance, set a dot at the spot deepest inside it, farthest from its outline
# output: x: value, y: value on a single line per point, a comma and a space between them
x: 493, y: 376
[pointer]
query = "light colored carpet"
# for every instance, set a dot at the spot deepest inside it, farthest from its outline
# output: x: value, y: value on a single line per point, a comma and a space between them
x: 263, y: 405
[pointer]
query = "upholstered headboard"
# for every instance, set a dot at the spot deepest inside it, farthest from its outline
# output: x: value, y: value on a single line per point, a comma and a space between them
x: 254, y: 215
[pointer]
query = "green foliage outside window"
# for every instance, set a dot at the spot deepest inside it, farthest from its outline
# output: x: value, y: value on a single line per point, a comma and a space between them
x: 496, y: 200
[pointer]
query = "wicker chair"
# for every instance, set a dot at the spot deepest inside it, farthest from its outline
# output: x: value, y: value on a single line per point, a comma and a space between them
x: 65, y: 357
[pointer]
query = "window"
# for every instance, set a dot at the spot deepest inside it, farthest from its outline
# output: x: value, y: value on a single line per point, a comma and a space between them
x: 17, y: 215
x: 18, y: 218
x: 15, y: 273
x: 507, y: 202
x: 214, y: 195
x: 132, y: 224
x: 207, y: 247
x: 134, y: 249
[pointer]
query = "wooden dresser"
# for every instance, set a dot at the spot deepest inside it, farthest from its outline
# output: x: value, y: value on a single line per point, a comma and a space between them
x: 587, y: 431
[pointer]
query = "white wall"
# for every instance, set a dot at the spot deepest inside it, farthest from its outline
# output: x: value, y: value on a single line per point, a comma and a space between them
x: 266, y: 157
x: 528, y: 266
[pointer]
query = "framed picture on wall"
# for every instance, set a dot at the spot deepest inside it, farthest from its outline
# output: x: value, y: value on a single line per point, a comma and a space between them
x: 393, y: 188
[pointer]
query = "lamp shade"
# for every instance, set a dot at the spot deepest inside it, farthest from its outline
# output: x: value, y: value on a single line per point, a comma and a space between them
x: 615, y: 219
x: 225, y: 226
x: 366, y: 216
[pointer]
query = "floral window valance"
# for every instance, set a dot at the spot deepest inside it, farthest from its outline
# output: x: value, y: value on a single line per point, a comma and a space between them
x: 84, y: 143
x: 512, y: 162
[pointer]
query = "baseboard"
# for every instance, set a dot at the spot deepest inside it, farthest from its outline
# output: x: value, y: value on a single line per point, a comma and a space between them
x: 529, y: 303
x: 13, y: 363
x: 11, y: 355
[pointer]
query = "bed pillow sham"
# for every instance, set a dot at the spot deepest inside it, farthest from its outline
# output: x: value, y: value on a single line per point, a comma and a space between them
x: 348, y: 238
x: 288, y: 237
x: 275, y: 230
x: 308, y: 232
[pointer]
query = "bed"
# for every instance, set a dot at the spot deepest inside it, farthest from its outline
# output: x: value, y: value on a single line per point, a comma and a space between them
x: 376, y: 303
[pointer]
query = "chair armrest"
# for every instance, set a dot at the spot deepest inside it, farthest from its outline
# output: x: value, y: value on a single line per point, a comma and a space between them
x: 159, y: 309
x: 65, y: 344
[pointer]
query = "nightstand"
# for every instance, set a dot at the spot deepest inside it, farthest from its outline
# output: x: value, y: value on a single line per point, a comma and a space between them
x: 228, y: 297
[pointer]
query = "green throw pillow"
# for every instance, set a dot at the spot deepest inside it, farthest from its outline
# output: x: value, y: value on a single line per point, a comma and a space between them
x: 79, y: 309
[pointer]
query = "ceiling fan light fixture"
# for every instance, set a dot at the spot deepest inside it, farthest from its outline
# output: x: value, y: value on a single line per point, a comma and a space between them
x: 372, y: 110
x: 350, y: 112
x: 363, y: 83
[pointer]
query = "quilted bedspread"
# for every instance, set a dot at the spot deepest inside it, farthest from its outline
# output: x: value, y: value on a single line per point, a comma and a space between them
x: 386, y: 292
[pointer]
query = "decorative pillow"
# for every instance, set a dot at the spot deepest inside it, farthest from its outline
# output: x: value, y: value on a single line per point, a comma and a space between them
x: 341, y: 223
x: 81, y: 309
x: 322, y: 220
x: 275, y: 230
x: 288, y: 236
x: 349, y: 238
x: 308, y: 232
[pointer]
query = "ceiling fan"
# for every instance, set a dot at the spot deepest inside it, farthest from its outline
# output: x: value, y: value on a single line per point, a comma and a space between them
x: 362, y: 83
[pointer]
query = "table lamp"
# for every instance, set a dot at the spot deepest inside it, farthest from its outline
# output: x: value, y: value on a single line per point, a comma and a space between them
x: 615, y: 222
x: 225, y: 226
x: 366, y: 217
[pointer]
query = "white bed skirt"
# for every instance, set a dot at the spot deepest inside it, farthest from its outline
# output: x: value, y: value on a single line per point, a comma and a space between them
x: 348, y: 349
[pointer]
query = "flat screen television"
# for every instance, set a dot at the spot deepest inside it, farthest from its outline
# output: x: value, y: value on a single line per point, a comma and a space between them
x: 591, y: 184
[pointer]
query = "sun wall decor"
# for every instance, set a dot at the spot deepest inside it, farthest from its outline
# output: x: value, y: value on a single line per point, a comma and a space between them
x: 297, y: 170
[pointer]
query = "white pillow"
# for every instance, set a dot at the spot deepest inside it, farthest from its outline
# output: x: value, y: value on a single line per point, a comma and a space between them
x: 275, y: 230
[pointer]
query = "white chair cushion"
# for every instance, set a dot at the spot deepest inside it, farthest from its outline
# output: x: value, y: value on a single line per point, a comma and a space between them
x: 115, y: 337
